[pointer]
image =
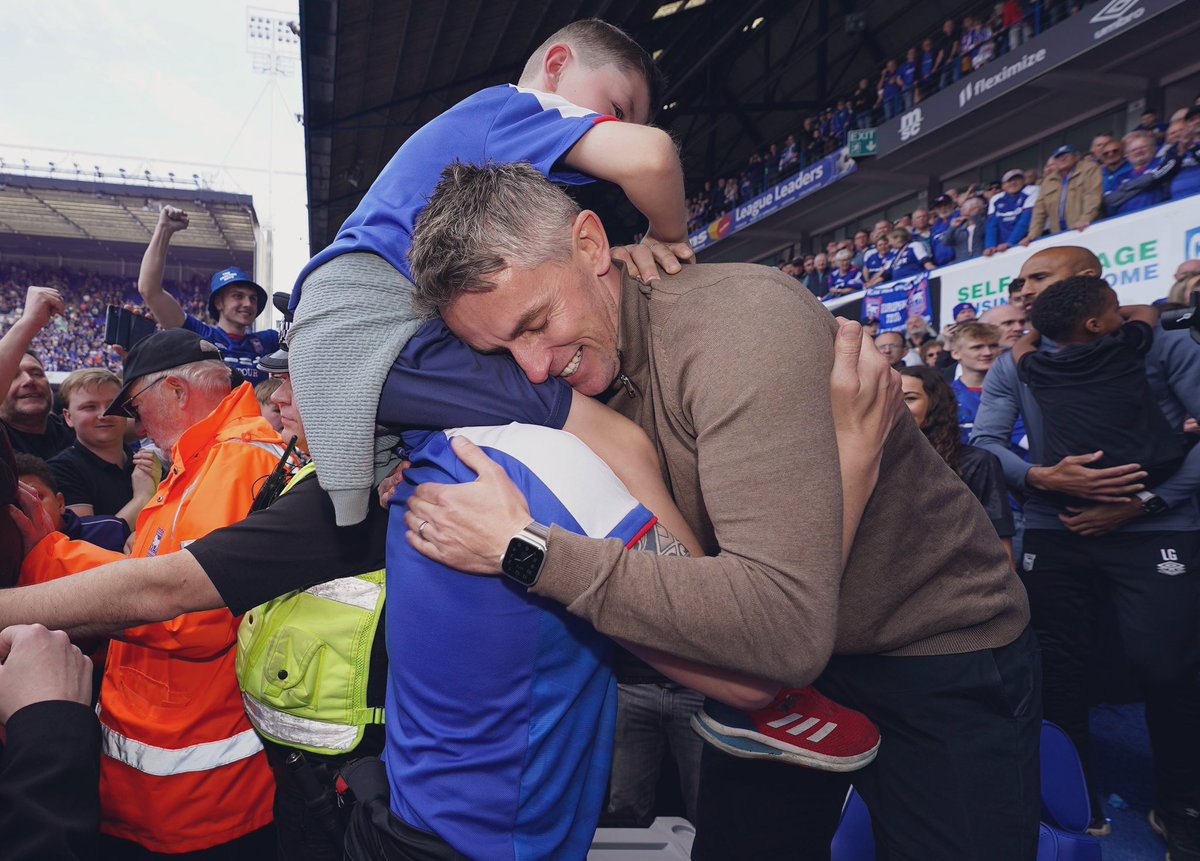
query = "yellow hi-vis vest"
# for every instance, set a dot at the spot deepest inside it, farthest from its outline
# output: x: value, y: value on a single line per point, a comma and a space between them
x: 303, y: 661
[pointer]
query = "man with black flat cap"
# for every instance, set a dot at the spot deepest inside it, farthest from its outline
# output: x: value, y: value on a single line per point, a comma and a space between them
x: 183, y: 770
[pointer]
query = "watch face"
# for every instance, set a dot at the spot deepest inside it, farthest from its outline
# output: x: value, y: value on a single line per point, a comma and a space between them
x: 523, y: 561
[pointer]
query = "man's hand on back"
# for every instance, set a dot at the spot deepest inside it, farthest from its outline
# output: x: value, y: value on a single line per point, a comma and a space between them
x: 645, y: 260
x: 1074, y: 477
x: 467, y: 526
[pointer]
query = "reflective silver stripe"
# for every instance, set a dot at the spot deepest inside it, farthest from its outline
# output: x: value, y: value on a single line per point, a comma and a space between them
x: 162, y: 762
x: 274, y: 449
x: 298, y: 730
x: 348, y: 590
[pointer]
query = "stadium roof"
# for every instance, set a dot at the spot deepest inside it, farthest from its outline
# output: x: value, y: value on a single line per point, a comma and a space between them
x: 742, y: 73
x: 113, y: 221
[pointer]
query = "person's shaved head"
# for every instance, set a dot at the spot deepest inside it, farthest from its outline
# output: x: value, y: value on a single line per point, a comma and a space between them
x: 1051, y: 265
x: 1186, y: 268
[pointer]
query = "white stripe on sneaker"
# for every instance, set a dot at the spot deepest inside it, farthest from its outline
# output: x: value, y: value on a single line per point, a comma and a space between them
x: 820, y: 734
x: 804, y: 727
x: 784, y: 721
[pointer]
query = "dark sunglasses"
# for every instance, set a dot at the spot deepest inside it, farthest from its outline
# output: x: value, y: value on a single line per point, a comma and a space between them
x: 129, y: 409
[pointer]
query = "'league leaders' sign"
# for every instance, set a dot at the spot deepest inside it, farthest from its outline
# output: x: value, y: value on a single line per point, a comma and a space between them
x: 799, y: 185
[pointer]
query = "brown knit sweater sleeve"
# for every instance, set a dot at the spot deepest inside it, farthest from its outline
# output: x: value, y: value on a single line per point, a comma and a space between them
x: 745, y: 397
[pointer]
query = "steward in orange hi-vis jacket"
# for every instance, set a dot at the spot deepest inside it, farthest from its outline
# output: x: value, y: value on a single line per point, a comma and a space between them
x: 182, y: 769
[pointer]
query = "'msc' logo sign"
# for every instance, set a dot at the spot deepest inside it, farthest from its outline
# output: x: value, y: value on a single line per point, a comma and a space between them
x: 1191, y: 244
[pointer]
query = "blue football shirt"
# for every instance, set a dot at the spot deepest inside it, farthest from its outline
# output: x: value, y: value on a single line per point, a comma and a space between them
x: 240, y: 353
x: 503, y: 124
x: 501, y: 706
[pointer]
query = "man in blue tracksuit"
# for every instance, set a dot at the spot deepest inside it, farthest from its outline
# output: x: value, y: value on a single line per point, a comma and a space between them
x: 1142, y: 544
x: 1009, y: 214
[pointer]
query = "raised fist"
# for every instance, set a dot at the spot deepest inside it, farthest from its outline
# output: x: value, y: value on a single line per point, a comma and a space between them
x: 42, y: 304
x: 172, y: 219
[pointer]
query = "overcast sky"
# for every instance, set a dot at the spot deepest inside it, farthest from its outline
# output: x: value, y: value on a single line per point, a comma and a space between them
x: 159, y: 86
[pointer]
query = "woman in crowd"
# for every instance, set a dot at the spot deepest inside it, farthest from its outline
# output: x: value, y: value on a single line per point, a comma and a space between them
x: 931, y: 401
x: 930, y: 352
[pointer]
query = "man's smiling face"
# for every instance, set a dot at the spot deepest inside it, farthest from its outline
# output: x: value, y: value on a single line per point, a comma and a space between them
x: 557, y: 320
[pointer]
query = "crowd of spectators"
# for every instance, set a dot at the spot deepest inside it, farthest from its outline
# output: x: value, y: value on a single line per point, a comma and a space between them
x: 76, y: 338
x: 955, y: 50
x: 217, y: 719
x: 1153, y: 163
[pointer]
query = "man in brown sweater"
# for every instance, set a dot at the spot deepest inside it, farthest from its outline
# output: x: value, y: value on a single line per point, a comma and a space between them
x: 918, y: 621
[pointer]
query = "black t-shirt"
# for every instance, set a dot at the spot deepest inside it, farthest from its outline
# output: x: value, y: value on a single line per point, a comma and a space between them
x: 85, y: 478
x: 44, y: 445
x: 982, y: 473
x: 1095, y: 397
x: 294, y: 544
x: 944, y: 45
x: 862, y: 99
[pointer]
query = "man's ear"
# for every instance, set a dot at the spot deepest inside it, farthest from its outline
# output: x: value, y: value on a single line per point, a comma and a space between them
x: 61, y: 502
x: 591, y: 240
x: 557, y: 58
x: 66, y: 413
x: 1092, y: 325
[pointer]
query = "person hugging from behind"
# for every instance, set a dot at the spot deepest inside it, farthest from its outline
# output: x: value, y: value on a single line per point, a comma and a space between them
x: 932, y: 403
x: 1093, y: 392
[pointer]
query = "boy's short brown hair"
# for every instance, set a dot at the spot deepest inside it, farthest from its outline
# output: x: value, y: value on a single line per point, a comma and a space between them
x: 266, y: 388
x: 976, y: 330
x: 599, y: 43
x: 83, y: 380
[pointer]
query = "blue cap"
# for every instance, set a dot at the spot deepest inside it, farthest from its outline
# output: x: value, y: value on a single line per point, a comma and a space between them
x: 1065, y: 149
x: 962, y: 306
x: 227, y: 278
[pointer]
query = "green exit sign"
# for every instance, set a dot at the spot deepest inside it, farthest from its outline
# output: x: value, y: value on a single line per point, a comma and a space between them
x: 862, y: 142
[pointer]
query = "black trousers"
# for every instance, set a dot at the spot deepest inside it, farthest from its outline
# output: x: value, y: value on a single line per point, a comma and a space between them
x: 1153, y: 580
x: 255, y: 846
x: 956, y: 776
x: 376, y: 833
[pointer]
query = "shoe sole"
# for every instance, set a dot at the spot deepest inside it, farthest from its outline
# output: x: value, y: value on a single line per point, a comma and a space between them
x: 739, y: 743
x: 1156, y: 826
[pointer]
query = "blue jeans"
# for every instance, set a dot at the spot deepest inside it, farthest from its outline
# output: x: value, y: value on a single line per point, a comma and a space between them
x: 649, y: 717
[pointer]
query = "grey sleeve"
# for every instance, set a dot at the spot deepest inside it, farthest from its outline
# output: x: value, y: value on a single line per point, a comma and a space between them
x: 998, y: 411
x: 1178, y: 357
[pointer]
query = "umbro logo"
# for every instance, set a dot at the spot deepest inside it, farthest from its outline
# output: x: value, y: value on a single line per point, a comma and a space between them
x: 1113, y: 10
x: 1171, y: 566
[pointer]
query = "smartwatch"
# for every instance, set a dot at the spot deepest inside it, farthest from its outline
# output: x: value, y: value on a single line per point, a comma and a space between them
x: 526, y: 554
x: 1151, y: 503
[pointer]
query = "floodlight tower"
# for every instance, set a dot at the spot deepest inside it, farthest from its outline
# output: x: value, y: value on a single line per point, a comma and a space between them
x: 273, y: 43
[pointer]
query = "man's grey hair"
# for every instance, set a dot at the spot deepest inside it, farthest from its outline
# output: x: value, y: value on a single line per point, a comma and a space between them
x: 1140, y: 135
x: 482, y: 220
x: 207, y: 377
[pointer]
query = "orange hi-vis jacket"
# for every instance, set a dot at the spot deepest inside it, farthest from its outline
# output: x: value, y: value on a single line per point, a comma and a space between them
x: 182, y: 769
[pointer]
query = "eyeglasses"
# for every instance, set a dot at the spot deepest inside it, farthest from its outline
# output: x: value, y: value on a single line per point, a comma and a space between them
x: 1110, y: 152
x: 129, y: 409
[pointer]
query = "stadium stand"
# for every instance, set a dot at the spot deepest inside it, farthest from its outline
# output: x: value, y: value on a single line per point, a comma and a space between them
x: 86, y: 238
